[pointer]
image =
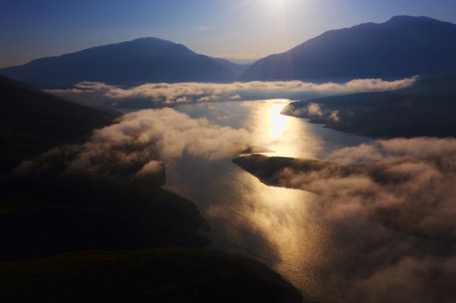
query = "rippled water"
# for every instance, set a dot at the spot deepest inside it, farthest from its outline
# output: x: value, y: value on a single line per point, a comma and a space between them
x: 273, y: 225
x: 329, y: 258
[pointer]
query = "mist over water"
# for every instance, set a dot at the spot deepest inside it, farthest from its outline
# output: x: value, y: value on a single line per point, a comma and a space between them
x: 381, y: 229
x: 274, y: 225
x: 383, y: 234
x: 329, y: 248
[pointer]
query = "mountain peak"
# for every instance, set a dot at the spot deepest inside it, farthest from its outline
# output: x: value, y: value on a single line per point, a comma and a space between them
x: 134, y: 62
x: 403, y: 46
x: 403, y: 20
x: 155, y: 46
x: 150, y: 40
x: 406, y: 18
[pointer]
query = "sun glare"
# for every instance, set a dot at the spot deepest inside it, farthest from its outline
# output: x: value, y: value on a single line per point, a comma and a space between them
x: 278, y: 122
x: 277, y: 4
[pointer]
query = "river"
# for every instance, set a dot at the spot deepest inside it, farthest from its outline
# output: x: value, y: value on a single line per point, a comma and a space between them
x: 273, y: 225
x: 278, y: 226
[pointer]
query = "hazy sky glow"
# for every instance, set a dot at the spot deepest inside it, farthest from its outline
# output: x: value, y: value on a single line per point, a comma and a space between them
x: 235, y: 29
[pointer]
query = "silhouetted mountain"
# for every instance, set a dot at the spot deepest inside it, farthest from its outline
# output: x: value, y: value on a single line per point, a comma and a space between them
x: 402, y: 46
x: 127, y: 63
x: 236, y: 69
x: 32, y: 121
x: 427, y: 108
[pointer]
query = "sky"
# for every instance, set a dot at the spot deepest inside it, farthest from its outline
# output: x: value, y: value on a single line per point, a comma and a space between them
x: 240, y: 30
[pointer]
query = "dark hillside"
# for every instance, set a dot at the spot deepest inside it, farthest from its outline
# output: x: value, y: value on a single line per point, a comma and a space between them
x: 32, y: 121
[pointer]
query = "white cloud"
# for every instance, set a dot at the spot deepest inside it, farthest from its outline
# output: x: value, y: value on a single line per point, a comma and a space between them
x: 334, y: 116
x: 127, y: 150
x: 154, y: 94
x: 411, y: 279
x: 314, y: 110
x: 405, y: 183
x: 152, y: 167
x: 372, y: 192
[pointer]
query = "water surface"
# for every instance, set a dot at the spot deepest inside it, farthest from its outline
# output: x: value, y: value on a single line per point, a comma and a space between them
x: 284, y: 228
x: 273, y: 225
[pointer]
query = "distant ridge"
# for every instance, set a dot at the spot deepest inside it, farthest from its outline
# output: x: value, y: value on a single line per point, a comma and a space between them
x: 401, y: 47
x: 426, y: 108
x: 128, y: 63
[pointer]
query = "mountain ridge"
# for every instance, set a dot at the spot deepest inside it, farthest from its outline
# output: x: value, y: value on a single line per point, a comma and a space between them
x: 126, y: 63
x: 386, y: 50
x: 402, y: 46
x: 425, y: 109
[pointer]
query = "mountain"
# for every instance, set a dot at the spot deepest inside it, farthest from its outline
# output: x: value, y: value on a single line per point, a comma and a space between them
x: 236, y: 69
x: 127, y: 63
x: 427, y: 108
x: 403, y: 46
x: 32, y: 121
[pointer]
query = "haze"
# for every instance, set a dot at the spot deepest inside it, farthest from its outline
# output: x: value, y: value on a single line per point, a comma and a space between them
x: 241, y: 30
x: 137, y: 164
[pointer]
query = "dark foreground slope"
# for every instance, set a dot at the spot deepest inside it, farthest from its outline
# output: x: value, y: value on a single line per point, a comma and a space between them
x: 401, y: 47
x: 127, y: 63
x: 427, y: 108
x: 32, y: 121
x: 89, y: 235
x: 48, y: 208
x: 162, y: 275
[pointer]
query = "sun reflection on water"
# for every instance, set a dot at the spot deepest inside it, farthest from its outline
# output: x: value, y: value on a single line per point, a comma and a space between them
x: 283, y: 135
x: 276, y: 226
x: 278, y: 122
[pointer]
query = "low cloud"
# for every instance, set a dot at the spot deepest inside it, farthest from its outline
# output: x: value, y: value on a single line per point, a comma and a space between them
x: 132, y: 148
x: 405, y: 185
x: 334, y: 116
x: 314, y: 110
x: 152, y: 167
x: 166, y: 94
x: 409, y: 280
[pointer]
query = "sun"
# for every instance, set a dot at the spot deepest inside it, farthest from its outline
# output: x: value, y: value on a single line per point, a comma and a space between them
x: 276, y: 3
